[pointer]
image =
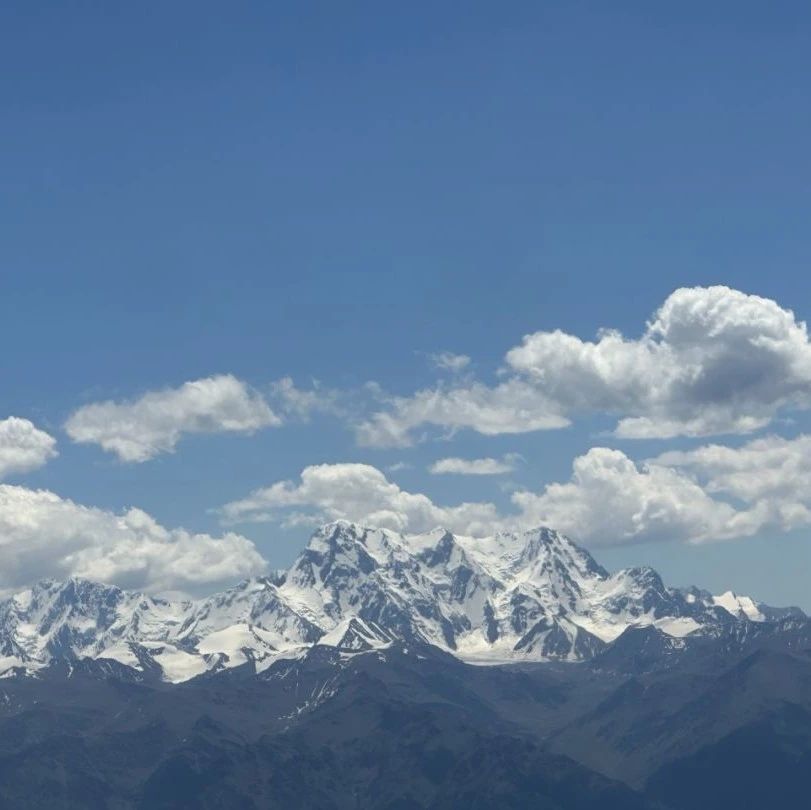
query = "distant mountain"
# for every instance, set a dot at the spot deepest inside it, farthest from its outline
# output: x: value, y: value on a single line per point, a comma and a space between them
x: 533, y: 596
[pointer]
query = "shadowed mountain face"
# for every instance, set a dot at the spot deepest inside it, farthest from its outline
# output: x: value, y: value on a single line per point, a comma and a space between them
x: 408, y: 727
x: 411, y: 726
x: 343, y: 684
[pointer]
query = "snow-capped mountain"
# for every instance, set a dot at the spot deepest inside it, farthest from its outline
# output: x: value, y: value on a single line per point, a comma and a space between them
x: 513, y: 596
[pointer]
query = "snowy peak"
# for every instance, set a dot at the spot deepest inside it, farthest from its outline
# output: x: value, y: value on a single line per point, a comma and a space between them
x: 741, y: 607
x: 76, y: 615
x: 545, y: 551
x: 744, y: 607
x: 514, y: 596
x: 357, y: 635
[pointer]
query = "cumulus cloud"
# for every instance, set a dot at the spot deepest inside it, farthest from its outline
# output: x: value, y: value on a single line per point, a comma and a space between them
x: 701, y: 495
x: 43, y: 535
x: 474, y: 466
x: 610, y: 500
x: 771, y: 474
x: 708, y: 494
x: 23, y: 447
x: 144, y: 428
x: 712, y: 360
x: 360, y: 493
x: 448, y: 361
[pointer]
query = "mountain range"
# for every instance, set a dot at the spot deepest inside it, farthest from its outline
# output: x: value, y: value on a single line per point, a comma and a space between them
x: 407, y: 672
x: 533, y: 596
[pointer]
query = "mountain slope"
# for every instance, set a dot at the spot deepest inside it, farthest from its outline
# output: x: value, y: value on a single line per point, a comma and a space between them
x: 405, y: 727
x: 408, y: 725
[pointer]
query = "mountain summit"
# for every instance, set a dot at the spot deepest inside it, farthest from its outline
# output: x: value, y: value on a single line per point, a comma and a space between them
x: 534, y: 595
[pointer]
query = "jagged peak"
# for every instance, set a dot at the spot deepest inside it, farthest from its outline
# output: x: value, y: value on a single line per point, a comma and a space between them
x: 52, y: 584
x: 347, y: 527
x: 343, y: 533
x: 342, y: 528
x: 642, y: 574
x: 76, y: 587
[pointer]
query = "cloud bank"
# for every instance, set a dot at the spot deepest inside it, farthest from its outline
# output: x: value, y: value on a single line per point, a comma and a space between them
x: 709, y: 494
x: 45, y: 536
x: 609, y: 501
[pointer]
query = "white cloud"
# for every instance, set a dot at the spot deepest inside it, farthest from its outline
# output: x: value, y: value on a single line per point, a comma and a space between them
x: 511, y: 407
x: 448, y: 361
x: 43, y: 535
x: 398, y: 466
x: 709, y: 494
x: 140, y: 430
x: 771, y: 474
x: 301, y: 402
x: 360, y: 493
x: 474, y: 466
x: 702, y: 495
x: 610, y: 500
x: 712, y: 360
x: 23, y: 447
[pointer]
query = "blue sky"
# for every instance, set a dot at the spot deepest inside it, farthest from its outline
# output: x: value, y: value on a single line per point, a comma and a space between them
x: 339, y: 194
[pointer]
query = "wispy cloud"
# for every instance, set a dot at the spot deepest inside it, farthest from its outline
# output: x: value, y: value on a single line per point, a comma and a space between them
x: 398, y: 466
x: 302, y: 403
x: 474, y: 466
x: 511, y: 407
x: 448, y: 361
